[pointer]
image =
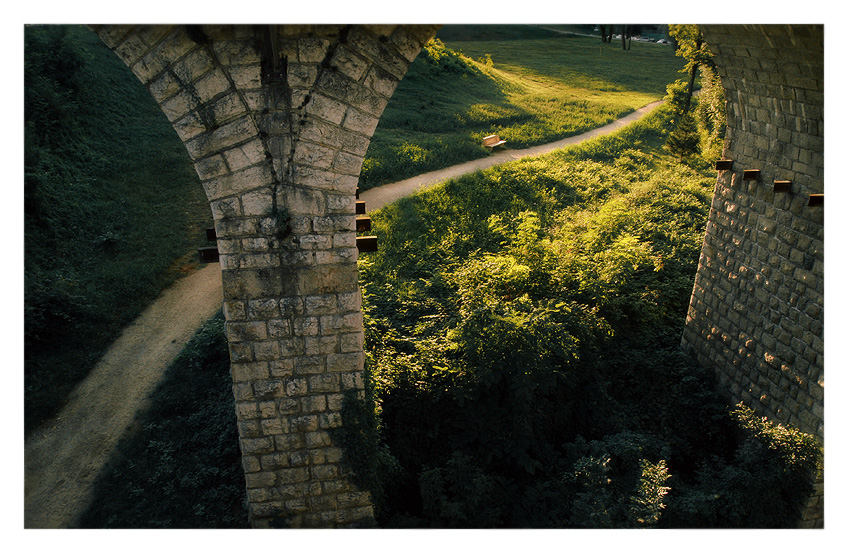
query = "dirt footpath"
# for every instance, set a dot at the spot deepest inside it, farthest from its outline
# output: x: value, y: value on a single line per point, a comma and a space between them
x: 376, y: 198
x: 63, y: 457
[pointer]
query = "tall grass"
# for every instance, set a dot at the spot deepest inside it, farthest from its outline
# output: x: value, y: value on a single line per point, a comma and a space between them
x: 112, y: 207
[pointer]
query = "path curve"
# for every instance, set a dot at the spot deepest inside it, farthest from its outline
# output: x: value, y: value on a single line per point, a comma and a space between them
x: 375, y: 198
x: 63, y: 456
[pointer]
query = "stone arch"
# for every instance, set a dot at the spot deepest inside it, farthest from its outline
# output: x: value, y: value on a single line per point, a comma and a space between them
x: 277, y: 120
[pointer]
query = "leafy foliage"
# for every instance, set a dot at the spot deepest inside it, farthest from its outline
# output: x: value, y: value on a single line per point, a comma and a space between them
x: 522, y: 329
x: 697, y: 132
x: 684, y: 142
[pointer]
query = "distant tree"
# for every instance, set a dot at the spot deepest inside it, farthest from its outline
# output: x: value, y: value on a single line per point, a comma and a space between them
x: 691, y: 46
x: 700, y: 129
x: 626, y: 34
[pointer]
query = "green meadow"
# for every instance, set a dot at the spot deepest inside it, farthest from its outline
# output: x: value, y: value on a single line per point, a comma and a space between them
x: 528, y: 85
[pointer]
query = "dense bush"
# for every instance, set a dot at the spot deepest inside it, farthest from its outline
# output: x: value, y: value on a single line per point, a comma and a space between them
x: 181, y: 465
x: 522, y: 328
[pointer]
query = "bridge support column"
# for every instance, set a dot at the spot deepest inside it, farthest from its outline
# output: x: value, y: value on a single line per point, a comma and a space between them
x: 756, y: 315
x: 277, y: 120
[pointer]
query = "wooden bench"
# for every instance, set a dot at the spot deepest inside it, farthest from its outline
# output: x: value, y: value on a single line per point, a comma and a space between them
x: 492, y: 141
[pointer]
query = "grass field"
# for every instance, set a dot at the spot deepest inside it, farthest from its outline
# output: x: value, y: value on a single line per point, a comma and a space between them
x: 529, y: 85
x: 113, y: 208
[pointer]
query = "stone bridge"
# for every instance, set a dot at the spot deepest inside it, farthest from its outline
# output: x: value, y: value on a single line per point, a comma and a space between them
x: 277, y: 120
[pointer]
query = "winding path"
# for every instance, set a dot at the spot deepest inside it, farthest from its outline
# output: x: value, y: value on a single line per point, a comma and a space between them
x: 376, y: 198
x: 62, y: 458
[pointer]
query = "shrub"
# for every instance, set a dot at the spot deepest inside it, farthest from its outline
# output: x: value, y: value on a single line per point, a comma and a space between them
x: 684, y: 140
x: 444, y: 59
x: 763, y: 485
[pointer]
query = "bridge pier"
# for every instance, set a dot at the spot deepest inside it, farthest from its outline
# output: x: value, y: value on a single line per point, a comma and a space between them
x: 277, y: 120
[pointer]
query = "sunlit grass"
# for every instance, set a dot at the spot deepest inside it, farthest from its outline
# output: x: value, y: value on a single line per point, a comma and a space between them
x: 528, y: 90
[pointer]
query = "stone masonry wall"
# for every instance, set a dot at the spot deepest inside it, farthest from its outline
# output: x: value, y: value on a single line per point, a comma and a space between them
x: 277, y: 120
x: 756, y: 313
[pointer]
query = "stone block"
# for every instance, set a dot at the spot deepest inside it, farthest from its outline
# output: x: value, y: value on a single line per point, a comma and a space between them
x: 257, y: 446
x: 357, y: 121
x: 349, y: 64
x: 222, y: 138
x: 320, y: 345
x: 313, y: 404
x: 323, y: 383
x: 272, y: 427
x: 317, y: 438
x: 325, y: 472
x: 352, y: 342
x: 305, y: 326
x: 296, y: 387
x: 265, y: 351
x: 247, y: 331
x: 246, y: 372
x: 245, y: 155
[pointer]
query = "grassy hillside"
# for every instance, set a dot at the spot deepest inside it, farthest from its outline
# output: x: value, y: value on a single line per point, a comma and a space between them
x: 113, y: 207
x: 527, y: 84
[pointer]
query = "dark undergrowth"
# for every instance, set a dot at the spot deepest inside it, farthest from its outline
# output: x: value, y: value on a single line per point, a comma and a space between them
x: 112, y: 208
x: 180, y: 466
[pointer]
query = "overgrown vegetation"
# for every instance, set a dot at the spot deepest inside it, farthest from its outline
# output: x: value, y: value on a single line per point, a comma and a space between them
x: 699, y: 123
x: 180, y: 466
x: 522, y: 324
x: 522, y: 329
x: 112, y: 205
x: 527, y: 84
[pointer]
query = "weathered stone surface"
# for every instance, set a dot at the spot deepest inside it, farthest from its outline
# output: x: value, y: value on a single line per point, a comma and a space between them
x: 768, y: 316
x: 280, y: 165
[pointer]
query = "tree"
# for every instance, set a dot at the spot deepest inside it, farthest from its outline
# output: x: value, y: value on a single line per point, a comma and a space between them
x: 684, y: 141
x: 691, y: 46
x: 626, y: 34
